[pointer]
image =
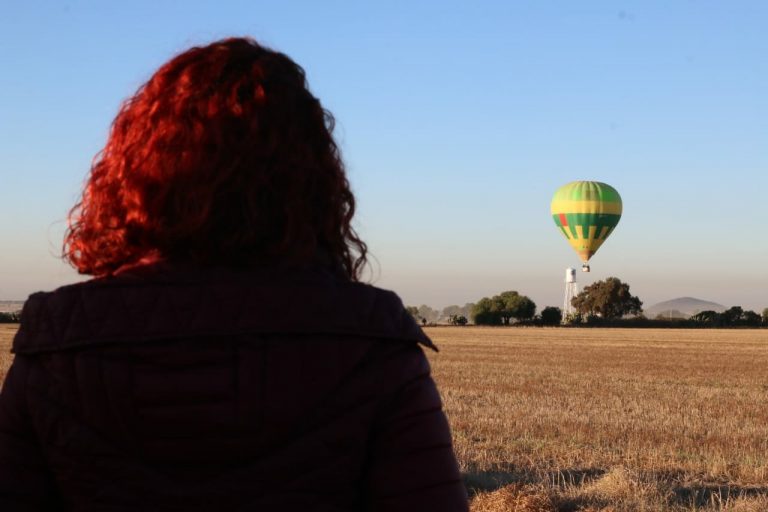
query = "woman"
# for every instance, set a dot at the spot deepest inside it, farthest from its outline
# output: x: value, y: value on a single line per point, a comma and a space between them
x: 225, y: 356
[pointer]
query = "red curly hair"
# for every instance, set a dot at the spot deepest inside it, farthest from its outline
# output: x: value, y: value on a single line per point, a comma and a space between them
x: 222, y: 157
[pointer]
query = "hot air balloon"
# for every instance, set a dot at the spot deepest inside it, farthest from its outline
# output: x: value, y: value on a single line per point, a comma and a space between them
x: 586, y: 213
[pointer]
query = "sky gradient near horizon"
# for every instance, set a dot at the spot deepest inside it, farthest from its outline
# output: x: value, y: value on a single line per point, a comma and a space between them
x: 457, y: 121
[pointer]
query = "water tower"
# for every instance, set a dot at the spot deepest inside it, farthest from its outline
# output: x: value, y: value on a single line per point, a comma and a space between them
x: 571, y: 290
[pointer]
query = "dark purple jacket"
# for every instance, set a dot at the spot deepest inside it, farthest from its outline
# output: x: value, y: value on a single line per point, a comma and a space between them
x: 170, y: 388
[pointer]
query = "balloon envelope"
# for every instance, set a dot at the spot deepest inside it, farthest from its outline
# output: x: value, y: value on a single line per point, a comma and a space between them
x: 586, y: 213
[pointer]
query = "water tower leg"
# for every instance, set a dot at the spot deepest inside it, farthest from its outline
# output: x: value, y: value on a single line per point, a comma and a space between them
x: 571, y: 290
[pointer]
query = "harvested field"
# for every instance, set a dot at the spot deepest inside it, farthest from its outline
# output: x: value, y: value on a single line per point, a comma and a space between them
x: 602, y: 420
x: 6, y: 337
x: 608, y: 419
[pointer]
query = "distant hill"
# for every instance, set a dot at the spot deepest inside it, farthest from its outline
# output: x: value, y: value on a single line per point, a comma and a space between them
x: 682, y: 307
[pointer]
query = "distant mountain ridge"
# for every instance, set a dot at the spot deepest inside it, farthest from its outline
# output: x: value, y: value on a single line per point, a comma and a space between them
x: 683, y: 306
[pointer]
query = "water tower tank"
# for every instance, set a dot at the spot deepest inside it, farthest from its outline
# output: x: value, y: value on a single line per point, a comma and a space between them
x: 570, y: 275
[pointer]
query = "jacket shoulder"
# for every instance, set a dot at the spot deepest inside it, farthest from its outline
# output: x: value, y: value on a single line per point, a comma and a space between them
x: 172, y: 306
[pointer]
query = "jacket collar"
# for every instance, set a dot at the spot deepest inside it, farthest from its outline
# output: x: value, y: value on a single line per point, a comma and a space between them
x: 164, y: 301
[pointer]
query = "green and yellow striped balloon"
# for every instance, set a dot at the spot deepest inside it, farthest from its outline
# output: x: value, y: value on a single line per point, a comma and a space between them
x: 586, y: 213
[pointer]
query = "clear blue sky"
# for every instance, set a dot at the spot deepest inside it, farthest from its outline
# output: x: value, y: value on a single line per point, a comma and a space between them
x: 458, y: 120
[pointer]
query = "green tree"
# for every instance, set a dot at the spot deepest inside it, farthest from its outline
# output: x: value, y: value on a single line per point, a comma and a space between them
x: 732, y: 315
x: 511, y: 305
x: 551, y: 315
x: 608, y: 299
x: 751, y: 318
x: 708, y: 317
x: 484, y: 312
x: 765, y: 316
x: 505, y: 304
x: 517, y: 306
x: 526, y: 309
x: 414, y: 312
x: 502, y: 308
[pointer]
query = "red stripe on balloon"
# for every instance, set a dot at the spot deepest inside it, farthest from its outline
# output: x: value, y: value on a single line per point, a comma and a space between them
x: 563, y: 220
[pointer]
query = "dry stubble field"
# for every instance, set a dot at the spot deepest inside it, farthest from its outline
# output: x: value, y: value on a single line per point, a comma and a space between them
x: 551, y: 419
x: 610, y: 420
x: 6, y: 336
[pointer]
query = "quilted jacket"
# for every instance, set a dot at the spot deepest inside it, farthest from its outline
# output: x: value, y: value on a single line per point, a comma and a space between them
x: 181, y: 388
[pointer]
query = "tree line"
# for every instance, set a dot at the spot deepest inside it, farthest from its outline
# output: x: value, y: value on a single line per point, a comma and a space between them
x: 608, y: 299
x: 732, y: 317
x: 607, y: 302
x: 10, y: 317
x: 453, y: 314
